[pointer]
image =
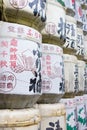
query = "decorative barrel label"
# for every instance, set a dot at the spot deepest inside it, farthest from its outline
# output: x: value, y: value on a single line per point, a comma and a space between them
x: 52, y: 69
x: 81, y: 114
x: 71, y: 33
x: 20, y: 66
x: 19, y: 31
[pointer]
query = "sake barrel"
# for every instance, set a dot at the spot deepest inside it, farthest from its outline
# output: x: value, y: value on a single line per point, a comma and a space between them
x: 71, y: 119
x: 20, y: 119
x: 78, y: 15
x: 20, y: 72
x: 28, y: 12
x: 81, y: 75
x: 54, y: 30
x: 52, y: 74
x: 70, y: 75
x: 85, y: 47
x: 19, y: 31
x: 70, y: 7
x: 80, y: 43
x: 53, y: 116
x: 71, y: 34
x: 80, y: 108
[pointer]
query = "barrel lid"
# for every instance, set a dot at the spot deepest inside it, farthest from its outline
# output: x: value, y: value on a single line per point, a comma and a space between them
x: 15, y: 30
x: 52, y: 109
x: 52, y: 49
x: 19, y: 117
x: 70, y: 58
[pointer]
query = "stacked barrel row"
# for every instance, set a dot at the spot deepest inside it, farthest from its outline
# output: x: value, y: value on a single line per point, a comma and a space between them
x: 75, y: 101
x: 21, y: 69
x: 20, y: 63
x: 41, y: 61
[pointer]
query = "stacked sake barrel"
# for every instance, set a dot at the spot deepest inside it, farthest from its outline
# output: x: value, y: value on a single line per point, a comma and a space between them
x: 84, y: 8
x: 20, y: 52
x: 53, y: 37
x: 20, y: 63
x: 30, y: 13
x: 74, y: 66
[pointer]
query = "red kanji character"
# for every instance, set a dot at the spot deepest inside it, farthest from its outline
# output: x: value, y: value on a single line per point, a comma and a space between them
x: 2, y: 85
x: 13, y: 42
x: 13, y: 57
x: 4, y: 44
x: 10, y: 77
x: 73, y: 1
x: 3, y: 64
x: 80, y: 11
x: 13, y: 64
x: 13, y: 50
x: 30, y: 32
x: 20, y: 30
x: 9, y: 85
x: 45, y: 47
x: 4, y: 53
x: 48, y: 62
x: 36, y: 35
x: 51, y: 48
x: 57, y: 49
x: 3, y: 77
x: 48, y: 57
x: 11, y: 29
x: 49, y: 72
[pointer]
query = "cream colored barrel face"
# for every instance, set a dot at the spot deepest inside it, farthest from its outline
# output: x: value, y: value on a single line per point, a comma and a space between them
x: 81, y: 113
x: 52, y: 73
x: 71, y: 33
x: 21, y: 119
x: 71, y: 73
x: 80, y: 42
x: 15, y: 30
x: 55, y: 23
x: 81, y: 75
x: 70, y: 112
x: 20, y: 72
x: 27, y: 12
x: 52, y: 116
